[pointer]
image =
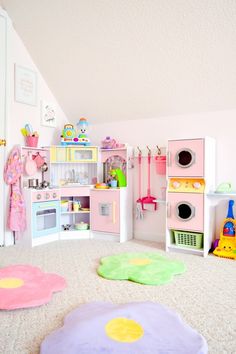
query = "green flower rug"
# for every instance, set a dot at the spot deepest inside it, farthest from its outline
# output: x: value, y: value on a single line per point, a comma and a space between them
x: 143, y: 268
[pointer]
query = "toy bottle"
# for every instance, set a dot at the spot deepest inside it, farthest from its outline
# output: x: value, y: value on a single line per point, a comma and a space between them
x: 229, y: 228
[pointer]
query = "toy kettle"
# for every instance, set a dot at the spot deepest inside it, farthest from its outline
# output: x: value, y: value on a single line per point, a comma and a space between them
x: 108, y: 143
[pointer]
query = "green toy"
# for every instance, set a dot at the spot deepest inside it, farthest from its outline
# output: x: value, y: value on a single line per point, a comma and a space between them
x: 119, y: 175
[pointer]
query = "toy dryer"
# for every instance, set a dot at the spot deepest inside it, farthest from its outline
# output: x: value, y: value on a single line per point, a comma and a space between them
x: 191, y: 174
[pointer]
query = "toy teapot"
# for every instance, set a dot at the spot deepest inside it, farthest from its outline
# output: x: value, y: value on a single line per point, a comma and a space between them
x: 108, y: 143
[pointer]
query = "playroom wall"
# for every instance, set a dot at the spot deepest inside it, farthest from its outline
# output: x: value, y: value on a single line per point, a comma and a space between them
x: 219, y: 125
x: 18, y: 114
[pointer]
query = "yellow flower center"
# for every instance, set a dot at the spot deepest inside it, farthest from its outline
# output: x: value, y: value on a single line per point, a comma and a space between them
x: 124, y: 330
x: 11, y: 283
x: 140, y: 261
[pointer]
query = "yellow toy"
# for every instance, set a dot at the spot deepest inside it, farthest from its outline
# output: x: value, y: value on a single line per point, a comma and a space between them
x: 226, y: 246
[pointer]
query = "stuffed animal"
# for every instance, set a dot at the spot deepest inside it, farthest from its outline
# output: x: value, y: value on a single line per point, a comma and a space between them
x: 82, y: 127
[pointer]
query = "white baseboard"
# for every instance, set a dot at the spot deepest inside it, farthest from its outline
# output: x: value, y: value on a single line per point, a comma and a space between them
x: 144, y: 236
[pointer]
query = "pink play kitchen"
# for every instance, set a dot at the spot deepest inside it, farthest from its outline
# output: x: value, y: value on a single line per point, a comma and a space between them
x: 77, y: 192
x: 82, y: 192
x: 191, y: 175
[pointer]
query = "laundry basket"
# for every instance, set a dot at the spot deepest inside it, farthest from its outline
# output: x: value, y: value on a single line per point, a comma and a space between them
x: 188, y: 239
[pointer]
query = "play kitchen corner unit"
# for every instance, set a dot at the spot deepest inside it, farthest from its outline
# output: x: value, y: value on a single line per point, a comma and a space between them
x: 64, y: 199
x: 191, y: 174
x: 90, y: 209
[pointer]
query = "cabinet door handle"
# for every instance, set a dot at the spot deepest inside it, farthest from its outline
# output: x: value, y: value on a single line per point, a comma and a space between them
x: 168, y: 158
x: 113, y: 212
x: 168, y: 210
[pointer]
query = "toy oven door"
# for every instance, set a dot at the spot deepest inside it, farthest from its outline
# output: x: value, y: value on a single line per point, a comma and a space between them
x: 45, y: 218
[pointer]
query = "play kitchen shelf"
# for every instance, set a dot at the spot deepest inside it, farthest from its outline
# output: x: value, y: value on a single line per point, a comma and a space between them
x: 75, y: 216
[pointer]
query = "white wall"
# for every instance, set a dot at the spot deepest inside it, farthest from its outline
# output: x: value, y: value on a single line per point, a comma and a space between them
x: 18, y: 114
x: 152, y: 132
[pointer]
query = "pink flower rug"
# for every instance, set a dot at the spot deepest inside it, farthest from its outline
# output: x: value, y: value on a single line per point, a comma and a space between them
x: 133, y: 328
x: 24, y: 286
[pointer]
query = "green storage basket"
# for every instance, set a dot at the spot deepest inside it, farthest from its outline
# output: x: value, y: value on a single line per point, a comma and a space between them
x: 188, y: 239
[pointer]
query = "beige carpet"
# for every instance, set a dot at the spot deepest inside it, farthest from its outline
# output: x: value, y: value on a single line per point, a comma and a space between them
x: 205, y: 296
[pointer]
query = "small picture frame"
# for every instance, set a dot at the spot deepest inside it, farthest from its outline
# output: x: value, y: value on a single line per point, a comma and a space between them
x: 25, y: 85
x: 48, y: 114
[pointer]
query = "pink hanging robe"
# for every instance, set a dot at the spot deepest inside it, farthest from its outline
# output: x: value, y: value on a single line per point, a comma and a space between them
x: 12, y: 174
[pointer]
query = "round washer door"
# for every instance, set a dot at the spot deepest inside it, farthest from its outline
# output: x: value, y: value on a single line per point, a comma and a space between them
x: 185, y: 158
x: 185, y: 211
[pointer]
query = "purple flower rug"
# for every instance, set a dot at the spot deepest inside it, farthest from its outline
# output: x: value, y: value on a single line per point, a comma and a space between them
x: 133, y: 328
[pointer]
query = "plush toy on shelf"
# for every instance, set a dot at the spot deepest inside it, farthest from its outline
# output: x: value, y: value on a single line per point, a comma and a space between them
x: 82, y: 127
x: 71, y: 136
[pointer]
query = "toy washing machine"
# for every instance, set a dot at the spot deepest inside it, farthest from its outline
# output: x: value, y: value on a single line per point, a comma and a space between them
x: 185, y: 209
x: 191, y: 174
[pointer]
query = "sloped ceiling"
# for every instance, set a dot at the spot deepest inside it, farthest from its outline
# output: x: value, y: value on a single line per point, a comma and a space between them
x: 129, y: 59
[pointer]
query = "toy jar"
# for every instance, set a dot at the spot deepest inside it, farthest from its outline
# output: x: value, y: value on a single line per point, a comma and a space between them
x: 108, y: 143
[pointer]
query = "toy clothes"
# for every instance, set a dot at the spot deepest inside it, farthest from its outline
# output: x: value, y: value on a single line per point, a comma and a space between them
x: 134, y: 328
x: 12, y: 174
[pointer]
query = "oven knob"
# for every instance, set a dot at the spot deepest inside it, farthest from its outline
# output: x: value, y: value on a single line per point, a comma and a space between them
x: 47, y: 196
x: 196, y: 185
x: 176, y: 184
x: 54, y: 195
x: 38, y: 196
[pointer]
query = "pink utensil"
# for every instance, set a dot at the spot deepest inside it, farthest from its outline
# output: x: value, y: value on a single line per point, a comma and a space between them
x: 30, y: 165
x: 149, y: 199
x: 39, y: 160
x: 139, y: 206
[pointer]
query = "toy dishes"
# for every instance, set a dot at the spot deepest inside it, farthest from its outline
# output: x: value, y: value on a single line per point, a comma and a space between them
x: 82, y: 226
x: 33, y: 183
x: 101, y: 186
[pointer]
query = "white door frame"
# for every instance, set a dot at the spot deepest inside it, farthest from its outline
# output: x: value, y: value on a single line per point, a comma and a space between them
x: 4, y: 108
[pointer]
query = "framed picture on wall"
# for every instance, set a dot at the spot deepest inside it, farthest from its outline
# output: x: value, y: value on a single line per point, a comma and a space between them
x: 25, y: 85
x: 48, y: 114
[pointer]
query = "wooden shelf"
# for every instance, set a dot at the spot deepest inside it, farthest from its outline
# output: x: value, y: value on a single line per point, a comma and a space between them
x: 187, y: 249
x: 221, y: 195
x: 76, y: 212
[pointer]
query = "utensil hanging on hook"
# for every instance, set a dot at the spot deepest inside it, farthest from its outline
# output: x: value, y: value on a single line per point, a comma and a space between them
x: 160, y: 161
x: 149, y: 199
x: 139, y: 208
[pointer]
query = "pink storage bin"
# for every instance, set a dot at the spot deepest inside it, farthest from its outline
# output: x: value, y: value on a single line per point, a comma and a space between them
x: 31, y: 141
x: 160, y: 165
